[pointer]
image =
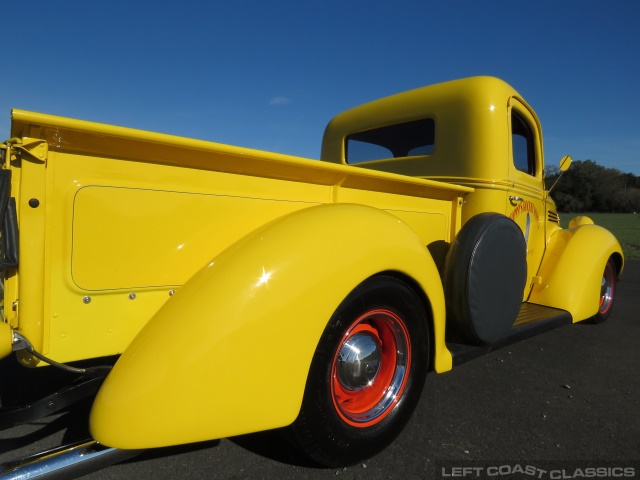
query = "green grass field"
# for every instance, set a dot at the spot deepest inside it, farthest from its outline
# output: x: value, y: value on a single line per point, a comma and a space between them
x: 625, y: 226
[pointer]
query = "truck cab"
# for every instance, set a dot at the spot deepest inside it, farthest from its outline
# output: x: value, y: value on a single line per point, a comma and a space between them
x: 477, y: 132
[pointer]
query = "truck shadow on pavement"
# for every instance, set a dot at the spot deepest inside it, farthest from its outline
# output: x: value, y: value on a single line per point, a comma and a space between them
x: 270, y: 445
x: 70, y: 423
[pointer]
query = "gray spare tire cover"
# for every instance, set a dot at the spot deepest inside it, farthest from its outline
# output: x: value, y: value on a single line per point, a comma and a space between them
x: 485, y: 274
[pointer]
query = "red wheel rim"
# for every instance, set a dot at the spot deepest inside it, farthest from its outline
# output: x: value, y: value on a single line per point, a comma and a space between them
x: 607, y: 289
x: 370, y: 368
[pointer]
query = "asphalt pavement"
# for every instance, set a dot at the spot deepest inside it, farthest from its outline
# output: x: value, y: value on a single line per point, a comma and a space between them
x: 565, y: 401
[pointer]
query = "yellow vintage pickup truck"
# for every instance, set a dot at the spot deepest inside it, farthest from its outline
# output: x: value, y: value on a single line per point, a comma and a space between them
x: 222, y: 290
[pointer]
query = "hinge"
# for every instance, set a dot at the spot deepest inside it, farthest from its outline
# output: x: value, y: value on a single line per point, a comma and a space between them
x: 35, y: 148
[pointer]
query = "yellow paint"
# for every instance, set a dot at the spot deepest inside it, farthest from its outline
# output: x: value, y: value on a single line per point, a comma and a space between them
x: 33, y: 264
x: 127, y: 212
x: 529, y: 213
x: 260, y: 249
x: 6, y: 338
x: 144, y: 237
x: 261, y: 305
x: 467, y: 114
x: 571, y: 271
x: 472, y: 148
x: 580, y: 220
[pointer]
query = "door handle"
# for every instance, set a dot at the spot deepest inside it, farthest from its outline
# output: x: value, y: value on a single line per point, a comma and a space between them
x: 513, y: 200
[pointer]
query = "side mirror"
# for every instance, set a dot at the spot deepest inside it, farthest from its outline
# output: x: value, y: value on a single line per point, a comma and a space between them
x: 565, y: 163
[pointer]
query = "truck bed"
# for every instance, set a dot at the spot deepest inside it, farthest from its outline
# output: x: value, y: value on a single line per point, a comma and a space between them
x: 79, y: 137
x: 125, y: 217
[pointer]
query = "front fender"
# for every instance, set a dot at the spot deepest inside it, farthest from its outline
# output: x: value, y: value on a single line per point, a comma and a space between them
x: 229, y: 353
x: 572, y: 268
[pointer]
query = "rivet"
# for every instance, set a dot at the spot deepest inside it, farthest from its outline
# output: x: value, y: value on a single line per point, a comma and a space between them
x: 34, y: 203
x: 132, y: 296
x: 171, y: 292
x: 87, y: 299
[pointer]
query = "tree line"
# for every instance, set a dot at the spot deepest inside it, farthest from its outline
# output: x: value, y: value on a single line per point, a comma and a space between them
x: 589, y: 187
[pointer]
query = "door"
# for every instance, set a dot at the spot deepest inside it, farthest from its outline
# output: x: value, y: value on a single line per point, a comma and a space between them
x: 525, y: 199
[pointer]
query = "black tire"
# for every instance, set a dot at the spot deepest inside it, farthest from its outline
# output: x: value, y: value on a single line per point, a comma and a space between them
x: 607, y: 292
x: 349, y: 412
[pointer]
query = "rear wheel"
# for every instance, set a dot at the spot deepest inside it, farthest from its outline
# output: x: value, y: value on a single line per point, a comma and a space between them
x: 366, y: 375
x: 607, y: 293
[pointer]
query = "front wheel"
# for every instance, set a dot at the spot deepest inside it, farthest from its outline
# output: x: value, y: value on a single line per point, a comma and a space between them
x: 366, y: 375
x: 607, y: 293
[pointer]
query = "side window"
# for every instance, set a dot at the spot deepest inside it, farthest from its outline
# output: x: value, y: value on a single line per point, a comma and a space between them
x: 401, y: 140
x: 522, y: 141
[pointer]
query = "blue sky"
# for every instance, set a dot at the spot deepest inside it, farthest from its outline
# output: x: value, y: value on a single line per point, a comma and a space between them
x: 271, y: 74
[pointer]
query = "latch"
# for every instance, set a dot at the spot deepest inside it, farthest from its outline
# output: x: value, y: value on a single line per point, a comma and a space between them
x: 35, y: 148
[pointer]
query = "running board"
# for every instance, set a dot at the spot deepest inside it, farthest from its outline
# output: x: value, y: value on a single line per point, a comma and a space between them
x: 32, y: 411
x: 532, y: 320
x: 67, y: 462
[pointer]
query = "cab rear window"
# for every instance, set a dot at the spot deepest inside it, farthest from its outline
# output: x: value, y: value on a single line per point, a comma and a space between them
x: 408, y: 139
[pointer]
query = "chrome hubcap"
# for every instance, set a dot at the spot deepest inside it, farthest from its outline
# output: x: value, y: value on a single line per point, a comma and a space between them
x: 359, y: 361
x: 370, y: 368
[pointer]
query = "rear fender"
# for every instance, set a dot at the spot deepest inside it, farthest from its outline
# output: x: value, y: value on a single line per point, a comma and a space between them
x: 572, y: 268
x: 229, y: 353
